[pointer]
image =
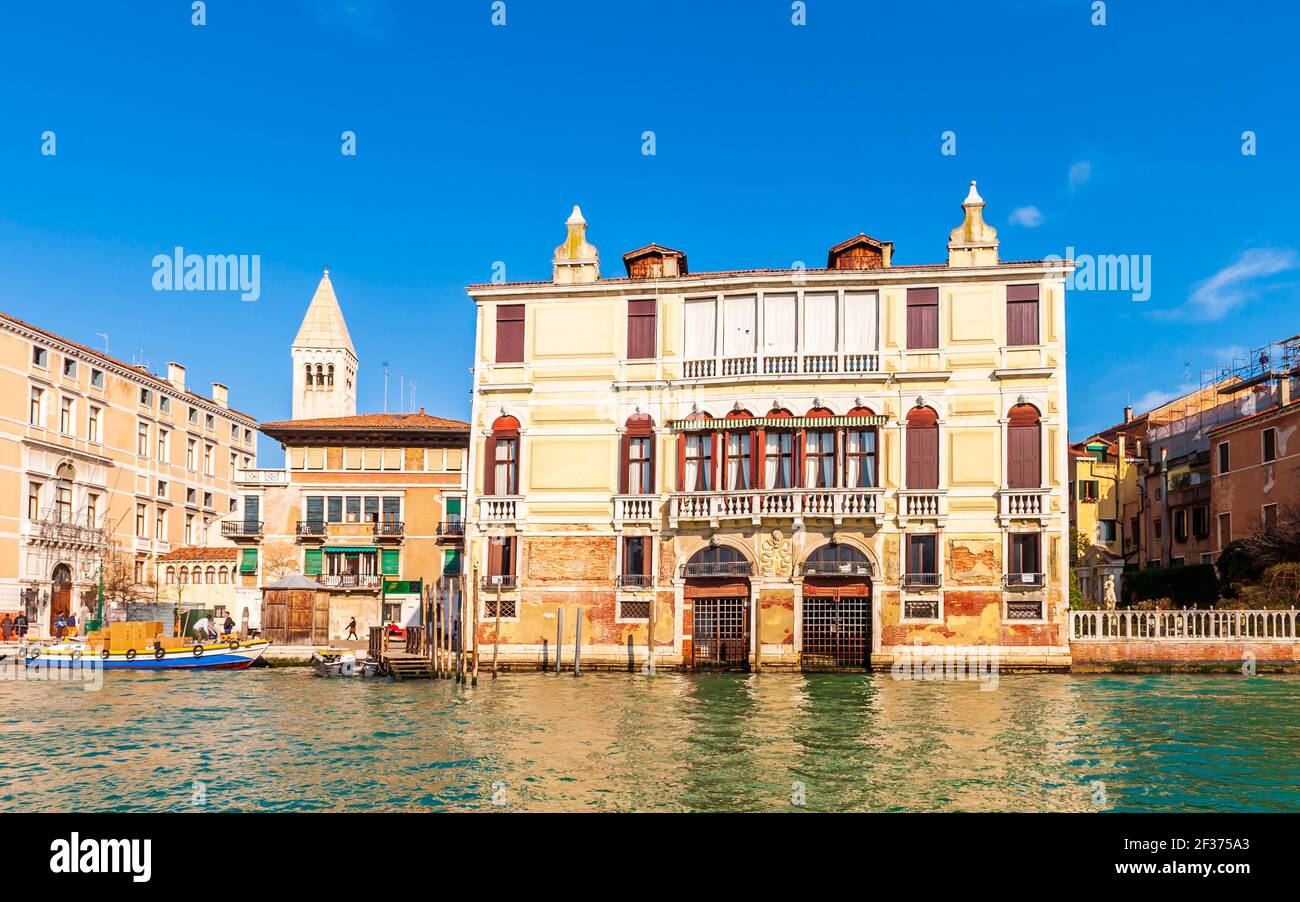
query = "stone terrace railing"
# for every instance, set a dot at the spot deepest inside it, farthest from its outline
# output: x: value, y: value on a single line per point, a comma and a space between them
x: 1184, y: 626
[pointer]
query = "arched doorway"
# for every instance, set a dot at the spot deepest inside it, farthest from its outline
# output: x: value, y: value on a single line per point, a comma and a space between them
x: 60, y: 593
x: 836, y: 613
x: 717, y: 587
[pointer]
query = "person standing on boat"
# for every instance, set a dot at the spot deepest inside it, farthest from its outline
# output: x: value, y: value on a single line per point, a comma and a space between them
x: 60, y: 626
x: 20, y: 625
x: 229, y: 625
x: 352, y: 628
x: 203, y: 631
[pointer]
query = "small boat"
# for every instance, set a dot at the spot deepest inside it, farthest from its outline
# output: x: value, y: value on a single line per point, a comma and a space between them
x: 230, y: 654
x: 341, y: 662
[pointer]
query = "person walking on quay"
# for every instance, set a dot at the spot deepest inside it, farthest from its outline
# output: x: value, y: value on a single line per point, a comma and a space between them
x: 6, y: 627
x: 352, y: 628
x: 20, y: 625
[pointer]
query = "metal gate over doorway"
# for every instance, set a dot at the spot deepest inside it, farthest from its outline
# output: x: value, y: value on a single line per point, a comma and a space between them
x: 720, y: 633
x: 836, y: 611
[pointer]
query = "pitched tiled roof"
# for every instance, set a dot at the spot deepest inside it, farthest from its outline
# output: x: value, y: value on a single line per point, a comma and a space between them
x: 371, y: 422
x: 139, y: 371
x: 323, y: 325
x: 196, y: 553
x: 1248, y: 418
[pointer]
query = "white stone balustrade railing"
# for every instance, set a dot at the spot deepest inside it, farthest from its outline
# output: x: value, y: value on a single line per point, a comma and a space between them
x: 500, y: 509
x: 635, y: 508
x: 792, y: 504
x: 1024, y: 503
x: 921, y: 503
x: 262, y: 476
x: 1184, y: 626
x: 780, y: 364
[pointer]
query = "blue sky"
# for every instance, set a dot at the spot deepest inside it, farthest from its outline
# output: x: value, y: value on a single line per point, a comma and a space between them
x: 773, y: 142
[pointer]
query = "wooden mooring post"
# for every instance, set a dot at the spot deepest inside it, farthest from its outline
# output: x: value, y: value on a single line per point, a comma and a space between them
x: 474, y: 677
x: 650, y: 636
x: 577, y: 645
x: 496, y: 636
x: 559, y: 638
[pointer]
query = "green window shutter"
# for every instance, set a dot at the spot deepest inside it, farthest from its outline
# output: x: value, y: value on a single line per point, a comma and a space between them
x: 451, y: 562
x: 312, y: 562
x: 388, y: 562
x: 248, y: 563
x: 453, y: 508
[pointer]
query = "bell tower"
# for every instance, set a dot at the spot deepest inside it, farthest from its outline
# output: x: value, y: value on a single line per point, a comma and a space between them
x: 324, y: 361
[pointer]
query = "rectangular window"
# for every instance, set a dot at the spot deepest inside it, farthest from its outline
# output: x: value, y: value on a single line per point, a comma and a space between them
x: 1225, y: 530
x: 501, y: 556
x: 740, y: 335
x: 860, y: 335
x: 315, y: 509
x: 1024, y: 566
x: 779, y: 460
x: 1223, y: 457
x: 35, y: 413
x: 370, y: 509
x: 352, y: 509
x: 207, y: 499
x: 92, y: 426
x: 635, y: 573
x: 819, y: 460
x: 819, y: 323
x: 392, y: 508
x: 780, y: 324
x: 39, y: 357
x: 160, y: 525
x: 146, y: 398
x: 165, y: 405
x: 1022, y: 315
x: 209, y: 468
x: 641, y: 329
x: 638, y: 464
x: 191, y: 496
x: 142, y: 440
x: 1088, y: 490
x: 1106, y: 531
x: 92, y: 510
x: 390, y: 561
x: 510, y: 333
x: 33, y: 501
x: 140, y: 515
x: 248, y: 560
x: 334, y: 509
x: 1180, y: 525
x: 701, y: 329
x: 1268, y: 515
x: 697, y: 473
x: 922, y: 560
x: 191, y: 454
x: 311, y: 563
x: 96, y: 378
x: 69, y: 367
x: 67, y: 416
x: 506, y: 467
x: 162, y: 488
x: 209, y: 422
x: 1157, y: 528
x: 1270, y: 445
x: 860, y: 458
x: 922, y: 318
x: 1201, y: 521
x: 739, y: 461
x: 1134, y: 529
x: 189, y: 529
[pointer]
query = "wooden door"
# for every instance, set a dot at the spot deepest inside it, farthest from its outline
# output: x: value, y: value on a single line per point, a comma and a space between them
x: 320, y: 619
x: 61, y: 603
x: 298, y: 630
x: 275, y: 617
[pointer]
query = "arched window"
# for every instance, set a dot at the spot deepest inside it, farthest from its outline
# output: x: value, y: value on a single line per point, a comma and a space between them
x: 329, y: 376
x: 64, y: 477
x: 695, y: 456
x: 171, y: 575
x: 739, y: 464
x: 184, y: 575
x: 861, y: 455
x: 636, y: 470
x: 922, y: 448
x: 717, y: 560
x: 779, y: 464
x: 223, y: 576
x: 501, y: 475
x: 307, y: 368
x: 211, y: 576
x: 1024, y: 448
x: 320, y: 374
x: 836, y: 559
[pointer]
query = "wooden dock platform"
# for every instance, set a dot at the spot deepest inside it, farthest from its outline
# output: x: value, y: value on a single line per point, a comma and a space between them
x: 400, y: 657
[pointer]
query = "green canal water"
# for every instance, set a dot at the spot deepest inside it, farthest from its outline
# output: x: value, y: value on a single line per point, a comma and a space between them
x: 285, y: 740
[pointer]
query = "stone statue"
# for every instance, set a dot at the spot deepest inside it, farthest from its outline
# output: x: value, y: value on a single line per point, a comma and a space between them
x: 774, y: 555
x: 1109, y: 592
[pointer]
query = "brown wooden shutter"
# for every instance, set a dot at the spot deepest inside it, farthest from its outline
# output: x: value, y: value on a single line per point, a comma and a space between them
x: 1022, y: 315
x: 922, y: 449
x: 922, y: 318
x: 1024, y: 448
x: 490, y: 466
x: 624, y: 445
x: 714, y: 460
x: 510, y: 333
x: 640, y: 329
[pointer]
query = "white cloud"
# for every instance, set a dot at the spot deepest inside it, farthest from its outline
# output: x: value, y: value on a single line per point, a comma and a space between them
x: 1232, y: 286
x: 1029, y: 217
x: 1080, y: 173
x: 1157, y: 396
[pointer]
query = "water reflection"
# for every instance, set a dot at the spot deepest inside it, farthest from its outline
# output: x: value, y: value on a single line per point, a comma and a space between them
x: 284, y: 740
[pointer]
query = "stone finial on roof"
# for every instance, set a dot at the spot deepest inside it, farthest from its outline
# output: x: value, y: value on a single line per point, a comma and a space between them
x: 974, y: 242
x: 576, y: 260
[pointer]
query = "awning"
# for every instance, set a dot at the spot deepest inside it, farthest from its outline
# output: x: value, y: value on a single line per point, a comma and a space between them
x: 774, y: 422
x: 350, y: 549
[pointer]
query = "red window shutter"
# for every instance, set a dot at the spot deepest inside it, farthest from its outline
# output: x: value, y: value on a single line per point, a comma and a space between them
x: 923, y: 318
x: 922, y: 457
x: 714, y: 459
x: 640, y: 329
x: 1022, y: 314
x: 681, y: 463
x: 490, y: 466
x: 650, y: 483
x: 1024, y: 467
x: 624, y: 443
x: 510, y: 333
x: 757, y: 456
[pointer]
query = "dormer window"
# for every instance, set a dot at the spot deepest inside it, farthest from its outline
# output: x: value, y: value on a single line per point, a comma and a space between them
x: 860, y: 252
x: 654, y: 262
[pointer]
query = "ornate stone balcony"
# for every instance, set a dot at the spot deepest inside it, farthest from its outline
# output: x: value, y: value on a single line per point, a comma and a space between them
x: 1022, y: 504
x: 716, y: 508
x: 642, y: 510
x: 501, y: 510
x: 925, y: 505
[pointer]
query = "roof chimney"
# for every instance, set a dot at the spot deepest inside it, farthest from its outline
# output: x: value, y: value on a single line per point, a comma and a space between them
x: 176, y: 376
x: 220, y: 395
x: 1128, y: 413
x: 576, y: 261
x: 974, y: 242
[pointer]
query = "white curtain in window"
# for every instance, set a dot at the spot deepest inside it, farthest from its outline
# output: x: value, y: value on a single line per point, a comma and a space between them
x: 819, y: 323
x: 778, y: 444
x: 737, y: 456
x: 861, y: 471
x: 701, y: 329
x: 779, y: 323
x: 816, y: 444
x: 860, y: 322
x: 739, y: 323
x: 694, y: 450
